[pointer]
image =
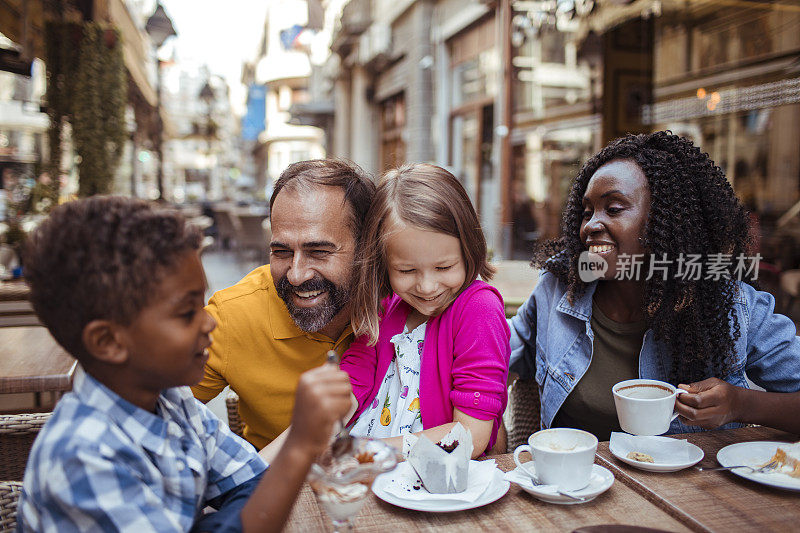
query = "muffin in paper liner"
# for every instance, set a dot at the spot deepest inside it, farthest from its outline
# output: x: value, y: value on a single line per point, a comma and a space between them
x: 442, y: 472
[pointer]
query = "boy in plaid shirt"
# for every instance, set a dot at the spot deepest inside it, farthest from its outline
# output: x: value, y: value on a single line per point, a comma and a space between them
x: 118, y: 282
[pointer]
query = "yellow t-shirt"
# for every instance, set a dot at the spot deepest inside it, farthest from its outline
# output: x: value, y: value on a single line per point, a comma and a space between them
x: 259, y: 351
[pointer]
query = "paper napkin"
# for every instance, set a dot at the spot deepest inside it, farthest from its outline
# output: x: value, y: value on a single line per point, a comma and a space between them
x: 663, y: 450
x: 443, y: 472
x: 404, y: 483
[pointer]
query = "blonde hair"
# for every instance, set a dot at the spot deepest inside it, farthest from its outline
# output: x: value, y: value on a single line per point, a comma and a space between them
x: 427, y: 197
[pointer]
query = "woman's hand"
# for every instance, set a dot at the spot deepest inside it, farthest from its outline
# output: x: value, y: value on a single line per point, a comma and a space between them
x: 709, y: 403
x: 712, y: 402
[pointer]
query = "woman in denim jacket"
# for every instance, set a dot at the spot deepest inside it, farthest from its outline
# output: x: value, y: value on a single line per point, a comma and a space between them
x: 648, y: 281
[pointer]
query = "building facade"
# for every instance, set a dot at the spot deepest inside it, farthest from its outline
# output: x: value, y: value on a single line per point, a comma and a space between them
x: 22, y: 29
x: 23, y: 123
x: 201, y: 157
x: 514, y: 96
x: 420, y: 81
x: 282, y: 66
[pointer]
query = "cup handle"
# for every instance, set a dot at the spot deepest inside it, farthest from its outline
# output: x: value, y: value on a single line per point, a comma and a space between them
x: 519, y: 450
x: 678, y: 392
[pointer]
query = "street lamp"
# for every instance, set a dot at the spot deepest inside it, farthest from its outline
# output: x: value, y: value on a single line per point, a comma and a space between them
x: 207, y: 95
x: 159, y: 28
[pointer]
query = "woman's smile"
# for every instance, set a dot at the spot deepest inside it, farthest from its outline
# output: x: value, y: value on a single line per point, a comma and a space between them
x: 600, y: 249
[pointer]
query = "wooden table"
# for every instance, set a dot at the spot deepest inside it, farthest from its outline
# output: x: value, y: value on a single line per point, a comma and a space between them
x: 15, y: 309
x: 516, y: 511
x: 713, y: 501
x: 14, y: 290
x: 32, y: 361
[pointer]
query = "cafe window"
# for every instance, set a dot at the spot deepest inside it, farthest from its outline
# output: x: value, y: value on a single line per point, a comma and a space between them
x: 546, y: 73
x: 474, y: 71
x: 393, y: 121
x: 545, y: 165
x: 476, y: 78
x: 553, y: 45
x: 474, y: 63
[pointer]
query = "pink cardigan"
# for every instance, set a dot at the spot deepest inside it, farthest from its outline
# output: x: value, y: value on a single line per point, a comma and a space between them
x: 464, y: 358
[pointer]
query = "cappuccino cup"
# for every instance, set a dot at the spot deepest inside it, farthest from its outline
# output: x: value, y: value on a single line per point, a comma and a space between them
x: 561, y: 457
x: 645, y: 406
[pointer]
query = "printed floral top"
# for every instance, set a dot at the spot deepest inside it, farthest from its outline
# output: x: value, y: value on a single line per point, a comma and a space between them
x: 395, y: 410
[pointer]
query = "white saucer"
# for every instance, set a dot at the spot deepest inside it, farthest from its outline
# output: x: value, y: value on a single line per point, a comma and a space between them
x: 756, y: 454
x: 601, y: 481
x: 496, y: 490
x: 695, y: 456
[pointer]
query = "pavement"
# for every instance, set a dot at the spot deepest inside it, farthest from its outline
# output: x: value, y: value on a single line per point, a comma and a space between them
x: 224, y: 268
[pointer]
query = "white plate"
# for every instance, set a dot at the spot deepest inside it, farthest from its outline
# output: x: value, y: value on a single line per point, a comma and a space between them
x: 756, y: 454
x: 601, y: 481
x: 695, y: 455
x: 496, y: 490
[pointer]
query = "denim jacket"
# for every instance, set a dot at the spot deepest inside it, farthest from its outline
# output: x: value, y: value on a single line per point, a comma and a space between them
x: 559, y: 351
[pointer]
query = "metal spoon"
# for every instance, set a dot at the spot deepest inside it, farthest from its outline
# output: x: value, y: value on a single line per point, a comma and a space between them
x: 343, y: 443
x: 538, y: 483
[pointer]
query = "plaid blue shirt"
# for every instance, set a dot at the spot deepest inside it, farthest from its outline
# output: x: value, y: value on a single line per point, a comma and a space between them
x: 103, y: 464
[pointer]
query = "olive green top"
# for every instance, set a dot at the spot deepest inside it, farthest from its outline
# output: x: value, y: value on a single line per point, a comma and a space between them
x: 615, y: 358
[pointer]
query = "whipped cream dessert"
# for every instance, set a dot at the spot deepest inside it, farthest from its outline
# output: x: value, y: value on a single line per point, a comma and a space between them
x: 343, y: 501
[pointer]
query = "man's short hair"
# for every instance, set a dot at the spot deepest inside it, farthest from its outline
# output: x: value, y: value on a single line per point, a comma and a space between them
x: 101, y: 258
x: 358, y: 187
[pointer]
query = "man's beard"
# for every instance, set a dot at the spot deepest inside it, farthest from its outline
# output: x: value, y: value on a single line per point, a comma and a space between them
x: 315, y: 318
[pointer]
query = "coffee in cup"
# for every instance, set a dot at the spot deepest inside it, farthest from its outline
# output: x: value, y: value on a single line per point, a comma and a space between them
x: 561, y: 457
x: 645, y: 406
x: 645, y: 391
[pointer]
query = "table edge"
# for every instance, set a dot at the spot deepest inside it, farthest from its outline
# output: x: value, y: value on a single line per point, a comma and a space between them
x: 52, y: 383
x: 681, y: 516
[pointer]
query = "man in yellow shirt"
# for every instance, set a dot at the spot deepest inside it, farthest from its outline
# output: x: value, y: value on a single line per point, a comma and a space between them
x: 282, y: 318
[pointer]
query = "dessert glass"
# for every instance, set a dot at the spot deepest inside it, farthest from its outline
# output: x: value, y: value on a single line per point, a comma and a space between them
x: 342, y: 483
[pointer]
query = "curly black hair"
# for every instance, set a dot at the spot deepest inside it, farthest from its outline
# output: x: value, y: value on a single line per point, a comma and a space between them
x: 101, y: 258
x: 693, y: 211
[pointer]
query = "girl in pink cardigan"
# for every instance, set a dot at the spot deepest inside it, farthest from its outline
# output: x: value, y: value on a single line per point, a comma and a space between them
x: 432, y: 344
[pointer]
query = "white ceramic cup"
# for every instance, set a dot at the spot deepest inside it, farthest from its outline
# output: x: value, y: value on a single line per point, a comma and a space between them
x: 561, y: 457
x: 645, y: 406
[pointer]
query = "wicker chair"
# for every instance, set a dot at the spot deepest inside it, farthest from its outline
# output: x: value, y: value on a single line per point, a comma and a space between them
x: 17, y: 433
x: 253, y: 237
x: 9, y: 496
x: 525, y: 412
x: 228, y: 226
x: 234, y: 420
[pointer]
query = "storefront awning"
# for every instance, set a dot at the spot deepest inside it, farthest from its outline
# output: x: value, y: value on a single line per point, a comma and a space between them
x: 314, y: 113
